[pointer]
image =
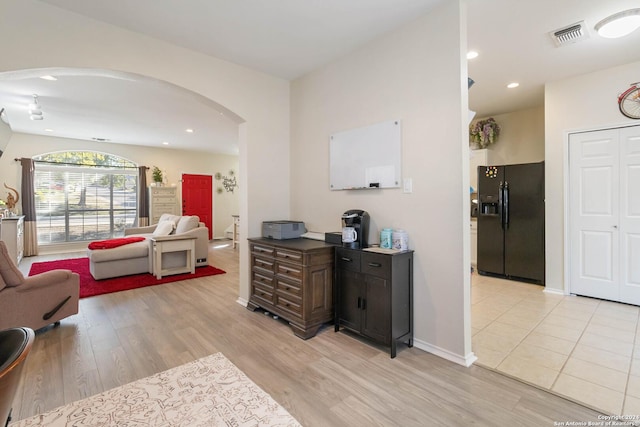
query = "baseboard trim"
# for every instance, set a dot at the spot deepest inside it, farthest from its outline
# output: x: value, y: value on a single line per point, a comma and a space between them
x: 243, y: 302
x: 446, y: 354
x: 554, y: 291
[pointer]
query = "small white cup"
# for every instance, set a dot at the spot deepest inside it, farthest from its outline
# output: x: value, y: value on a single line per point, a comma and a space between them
x: 349, y: 234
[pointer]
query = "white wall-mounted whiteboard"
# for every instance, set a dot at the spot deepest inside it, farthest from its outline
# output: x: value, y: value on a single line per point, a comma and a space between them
x: 366, y: 157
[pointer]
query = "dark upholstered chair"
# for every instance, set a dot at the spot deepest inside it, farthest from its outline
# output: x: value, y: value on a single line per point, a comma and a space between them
x: 35, y: 301
x: 15, y: 344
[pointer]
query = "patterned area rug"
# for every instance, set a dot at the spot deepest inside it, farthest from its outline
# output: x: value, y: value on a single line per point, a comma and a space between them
x: 210, y: 391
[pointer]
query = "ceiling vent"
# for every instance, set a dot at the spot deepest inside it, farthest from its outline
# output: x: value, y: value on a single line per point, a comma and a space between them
x: 570, y: 34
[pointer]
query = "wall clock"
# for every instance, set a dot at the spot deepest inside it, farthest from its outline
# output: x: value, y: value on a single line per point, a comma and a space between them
x: 629, y: 101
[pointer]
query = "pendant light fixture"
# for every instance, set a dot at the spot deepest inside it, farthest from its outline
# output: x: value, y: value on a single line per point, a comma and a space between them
x: 35, y: 112
x: 619, y: 24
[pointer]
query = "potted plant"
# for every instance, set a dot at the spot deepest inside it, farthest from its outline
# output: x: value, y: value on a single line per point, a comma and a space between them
x: 157, y: 175
x: 484, y: 132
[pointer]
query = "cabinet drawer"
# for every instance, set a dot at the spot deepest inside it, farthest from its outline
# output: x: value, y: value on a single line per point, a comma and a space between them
x: 376, y: 265
x: 262, y: 293
x: 263, y: 264
x: 289, y: 271
x: 294, y: 289
x: 347, y: 260
x: 163, y: 191
x: 265, y: 281
x: 290, y: 256
x: 161, y: 207
x: 289, y: 303
x: 262, y: 250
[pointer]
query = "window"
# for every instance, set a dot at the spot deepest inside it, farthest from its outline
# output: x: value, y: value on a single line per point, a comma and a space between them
x: 83, y: 196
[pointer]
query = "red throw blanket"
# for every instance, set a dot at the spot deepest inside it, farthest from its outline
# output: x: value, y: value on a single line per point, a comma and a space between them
x: 114, y: 243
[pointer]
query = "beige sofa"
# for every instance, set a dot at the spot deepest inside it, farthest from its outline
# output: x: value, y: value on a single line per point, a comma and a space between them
x: 136, y: 258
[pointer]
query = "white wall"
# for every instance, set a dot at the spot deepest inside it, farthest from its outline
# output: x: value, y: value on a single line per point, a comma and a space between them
x: 225, y: 202
x: 416, y: 74
x: 585, y: 102
x: 37, y: 35
x: 5, y: 135
x: 174, y: 162
x: 521, y: 137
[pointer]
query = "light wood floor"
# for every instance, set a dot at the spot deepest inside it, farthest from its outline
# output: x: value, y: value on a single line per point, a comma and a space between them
x: 333, y: 379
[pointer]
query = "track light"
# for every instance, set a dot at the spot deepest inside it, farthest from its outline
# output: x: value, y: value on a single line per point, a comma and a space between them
x: 619, y: 24
x: 35, y: 112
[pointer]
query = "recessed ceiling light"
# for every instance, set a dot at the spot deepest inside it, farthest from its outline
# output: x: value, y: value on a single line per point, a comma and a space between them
x: 165, y: 143
x: 48, y: 130
x: 189, y: 130
x: 51, y: 78
x: 619, y: 24
x: 512, y: 85
x: 472, y: 54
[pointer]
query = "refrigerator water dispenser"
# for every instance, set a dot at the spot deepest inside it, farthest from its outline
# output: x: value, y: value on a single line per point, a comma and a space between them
x: 488, y: 206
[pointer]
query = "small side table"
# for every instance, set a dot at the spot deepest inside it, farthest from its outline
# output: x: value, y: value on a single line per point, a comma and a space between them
x: 165, y: 245
x: 236, y: 230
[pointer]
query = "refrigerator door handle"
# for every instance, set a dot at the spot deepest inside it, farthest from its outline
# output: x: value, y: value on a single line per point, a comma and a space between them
x: 506, y: 204
x: 501, y: 204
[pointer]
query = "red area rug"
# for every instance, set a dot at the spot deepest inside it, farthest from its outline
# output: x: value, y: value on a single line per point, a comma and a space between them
x: 90, y: 287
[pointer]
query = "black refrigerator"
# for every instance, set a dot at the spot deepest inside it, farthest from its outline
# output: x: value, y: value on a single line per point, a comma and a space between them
x: 511, y: 221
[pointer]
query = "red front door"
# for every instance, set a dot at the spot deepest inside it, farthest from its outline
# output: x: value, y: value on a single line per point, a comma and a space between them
x: 197, y: 196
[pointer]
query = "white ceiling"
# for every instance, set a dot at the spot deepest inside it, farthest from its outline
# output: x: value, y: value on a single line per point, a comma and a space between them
x: 512, y: 37
x: 117, y: 107
x: 288, y: 38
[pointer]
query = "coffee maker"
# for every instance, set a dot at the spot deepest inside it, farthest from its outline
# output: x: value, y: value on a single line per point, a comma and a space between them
x: 355, y: 229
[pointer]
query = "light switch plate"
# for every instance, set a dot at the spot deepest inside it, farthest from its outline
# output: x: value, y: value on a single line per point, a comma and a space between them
x: 407, y: 185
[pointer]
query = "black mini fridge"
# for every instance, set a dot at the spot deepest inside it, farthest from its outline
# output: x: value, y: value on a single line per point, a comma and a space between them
x: 511, y: 221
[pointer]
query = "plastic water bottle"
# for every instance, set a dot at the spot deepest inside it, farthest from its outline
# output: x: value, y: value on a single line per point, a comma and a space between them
x: 386, y: 236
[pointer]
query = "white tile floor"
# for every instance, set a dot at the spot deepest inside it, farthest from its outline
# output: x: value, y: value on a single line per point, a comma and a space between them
x: 583, y: 348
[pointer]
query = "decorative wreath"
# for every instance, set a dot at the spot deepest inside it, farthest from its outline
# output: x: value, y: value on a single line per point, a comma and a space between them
x: 484, y: 132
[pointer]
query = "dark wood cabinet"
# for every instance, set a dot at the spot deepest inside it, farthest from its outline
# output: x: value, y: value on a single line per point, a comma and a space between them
x: 294, y: 280
x: 374, y: 294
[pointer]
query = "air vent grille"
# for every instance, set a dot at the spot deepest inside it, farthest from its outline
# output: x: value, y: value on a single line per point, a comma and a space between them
x: 570, y: 34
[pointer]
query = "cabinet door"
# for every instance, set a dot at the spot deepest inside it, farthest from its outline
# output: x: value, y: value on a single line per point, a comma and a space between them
x: 349, y: 298
x: 376, y: 322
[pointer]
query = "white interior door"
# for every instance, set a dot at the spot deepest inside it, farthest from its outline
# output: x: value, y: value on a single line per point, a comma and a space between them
x: 604, y: 212
x: 630, y: 215
x: 593, y: 209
